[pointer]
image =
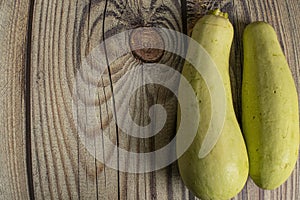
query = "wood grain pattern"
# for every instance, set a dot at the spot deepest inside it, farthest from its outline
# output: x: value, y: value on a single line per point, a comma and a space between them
x: 62, y: 167
x: 13, y: 44
x: 63, y: 35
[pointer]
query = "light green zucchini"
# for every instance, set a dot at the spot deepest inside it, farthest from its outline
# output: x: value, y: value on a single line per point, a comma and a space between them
x: 223, y: 172
x: 269, y: 108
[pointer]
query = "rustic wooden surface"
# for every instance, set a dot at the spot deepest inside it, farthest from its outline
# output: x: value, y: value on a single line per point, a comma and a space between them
x: 13, y: 59
x: 42, y: 45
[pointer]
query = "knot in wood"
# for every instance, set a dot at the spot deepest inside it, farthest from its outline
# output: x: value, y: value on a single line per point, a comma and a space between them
x: 147, y: 44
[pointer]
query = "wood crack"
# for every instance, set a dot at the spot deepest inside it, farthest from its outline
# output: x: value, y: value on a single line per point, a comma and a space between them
x: 27, y: 95
x: 112, y: 91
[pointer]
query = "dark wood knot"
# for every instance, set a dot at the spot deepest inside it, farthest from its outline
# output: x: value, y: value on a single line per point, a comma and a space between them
x: 147, y: 44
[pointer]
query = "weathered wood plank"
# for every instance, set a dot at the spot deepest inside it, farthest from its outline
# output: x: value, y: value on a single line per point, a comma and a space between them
x: 13, y: 34
x: 130, y: 15
x: 63, y: 169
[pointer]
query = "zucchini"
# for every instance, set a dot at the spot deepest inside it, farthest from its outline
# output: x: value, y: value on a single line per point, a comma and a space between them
x: 270, y: 115
x: 223, y: 172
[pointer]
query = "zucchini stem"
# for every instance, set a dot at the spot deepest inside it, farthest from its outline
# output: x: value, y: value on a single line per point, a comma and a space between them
x: 218, y: 12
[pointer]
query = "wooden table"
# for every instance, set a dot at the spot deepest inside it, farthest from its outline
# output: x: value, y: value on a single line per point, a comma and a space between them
x: 42, y: 46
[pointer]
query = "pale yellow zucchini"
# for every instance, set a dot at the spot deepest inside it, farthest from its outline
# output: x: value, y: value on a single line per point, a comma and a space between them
x: 269, y: 108
x: 223, y: 172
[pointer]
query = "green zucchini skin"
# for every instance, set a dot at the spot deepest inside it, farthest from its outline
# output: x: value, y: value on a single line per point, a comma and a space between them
x: 223, y: 172
x: 270, y: 117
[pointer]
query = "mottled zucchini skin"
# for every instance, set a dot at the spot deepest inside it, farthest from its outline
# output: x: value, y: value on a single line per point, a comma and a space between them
x: 269, y: 108
x: 223, y: 172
